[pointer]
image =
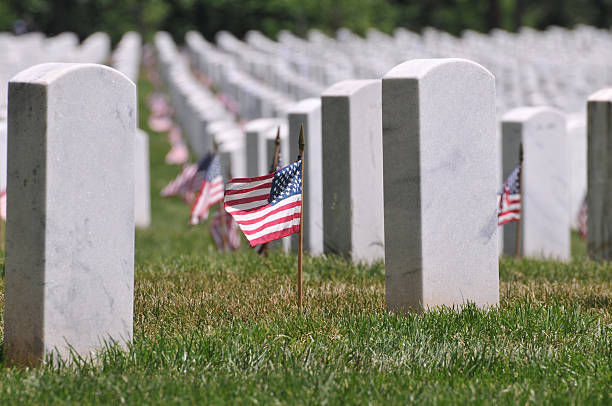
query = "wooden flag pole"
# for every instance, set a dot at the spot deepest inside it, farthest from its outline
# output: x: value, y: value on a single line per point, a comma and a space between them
x: 264, y: 250
x: 518, y: 224
x: 221, y: 212
x: 300, y: 235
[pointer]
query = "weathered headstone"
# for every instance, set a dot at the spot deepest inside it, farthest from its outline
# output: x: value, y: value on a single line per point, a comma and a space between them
x: 142, y: 184
x: 545, y: 222
x: 70, y: 231
x: 308, y: 113
x: 599, y: 200
x: 440, y: 181
x: 352, y: 170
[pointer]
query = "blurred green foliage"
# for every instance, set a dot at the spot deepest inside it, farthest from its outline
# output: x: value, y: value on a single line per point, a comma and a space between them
x: 269, y: 16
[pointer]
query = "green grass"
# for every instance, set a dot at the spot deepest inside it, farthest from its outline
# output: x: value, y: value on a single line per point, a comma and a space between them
x: 224, y: 329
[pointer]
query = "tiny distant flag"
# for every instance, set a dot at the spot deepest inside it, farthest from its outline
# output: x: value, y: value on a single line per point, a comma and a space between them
x: 510, y: 199
x: 216, y: 231
x: 189, y: 180
x: 267, y: 207
x: 182, y: 183
x: 3, y: 204
x: 211, y: 189
x: 582, y: 218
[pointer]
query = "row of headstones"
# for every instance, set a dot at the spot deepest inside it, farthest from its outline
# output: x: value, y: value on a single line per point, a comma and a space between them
x: 244, y: 147
x: 126, y: 59
x: 531, y: 68
x: 23, y: 51
x: 429, y: 124
x: 203, y: 116
x: 546, y: 231
x: 258, y: 86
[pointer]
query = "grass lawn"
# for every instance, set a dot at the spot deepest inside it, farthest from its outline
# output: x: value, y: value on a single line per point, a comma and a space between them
x: 219, y: 329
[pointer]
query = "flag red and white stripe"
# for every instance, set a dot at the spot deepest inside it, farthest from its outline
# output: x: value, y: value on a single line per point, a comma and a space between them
x: 264, y: 214
x: 231, y: 229
x: 3, y: 204
x: 582, y: 218
x: 510, y: 199
x: 509, y: 208
x: 211, y: 193
x: 182, y: 183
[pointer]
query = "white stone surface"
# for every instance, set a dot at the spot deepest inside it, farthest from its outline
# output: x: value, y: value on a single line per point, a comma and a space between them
x: 352, y: 170
x: 308, y: 113
x: 577, y: 142
x: 142, y: 184
x: 545, y: 225
x: 70, y: 231
x: 257, y: 133
x: 599, y: 201
x: 440, y: 179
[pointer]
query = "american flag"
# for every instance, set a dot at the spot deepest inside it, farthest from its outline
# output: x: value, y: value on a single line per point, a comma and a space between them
x: 262, y: 249
x: 3, y: 204
x: 211, y: 189
x: 231, y: 228
x: 182, y: 183
x: 510, y: 198
x: 189, y: 180
x: 582, y: 218
x: 267, y: 207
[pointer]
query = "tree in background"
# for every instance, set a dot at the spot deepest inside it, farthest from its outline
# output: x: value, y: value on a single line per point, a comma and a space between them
x: 270, y: 16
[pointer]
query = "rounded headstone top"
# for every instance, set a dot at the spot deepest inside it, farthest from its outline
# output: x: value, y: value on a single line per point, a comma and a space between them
x: 306, y: 105
x: 261, y: 124
x: 602, y: 95
x: 47, y: 73
x: 522, y: 114
x: 349, y: 87
x: 419, y: 68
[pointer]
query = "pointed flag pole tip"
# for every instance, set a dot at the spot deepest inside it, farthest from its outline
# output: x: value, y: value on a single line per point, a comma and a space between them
x: 301, y: 141
x: 278, y: 136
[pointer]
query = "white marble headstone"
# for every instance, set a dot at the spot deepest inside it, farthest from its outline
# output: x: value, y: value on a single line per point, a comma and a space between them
x: 545, y: 222
x: 70, y: 231
x: 577, y: 142
x: 352, y: 170
x: 440, y: 181
x: 142, y: 184
x: 599, y: 201
x: 308, y: 113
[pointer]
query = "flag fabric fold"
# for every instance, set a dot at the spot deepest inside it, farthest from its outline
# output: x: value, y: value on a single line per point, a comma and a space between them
x: 267, y: 207
x: 216, y: 232
x: 3, y: 204
x: 182, y: 183
x: 582, y: 218
x: 510, y: 199
x: 211, y: 189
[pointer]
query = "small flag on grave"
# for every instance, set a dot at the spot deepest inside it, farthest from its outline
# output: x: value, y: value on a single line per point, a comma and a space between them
x: 582, y: 218
x: 182, y: 183
x: 211, y: 189
x: 217, y: 230
x: 189, y: 180
x: 510, y: 199
x: 3, y: 204
x: 267, y: 207
x: 276, y: 165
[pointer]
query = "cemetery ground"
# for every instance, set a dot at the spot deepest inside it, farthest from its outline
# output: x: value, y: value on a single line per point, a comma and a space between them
x: 214, y: 329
